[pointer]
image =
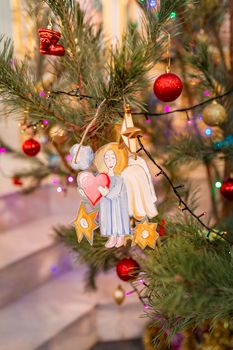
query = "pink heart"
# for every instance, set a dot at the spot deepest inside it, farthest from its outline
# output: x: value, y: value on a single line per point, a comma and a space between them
x: 90, y: 183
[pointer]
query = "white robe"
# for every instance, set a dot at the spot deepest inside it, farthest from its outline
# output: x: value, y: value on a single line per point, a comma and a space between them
x: 140, y: 190
x: 114, y: 216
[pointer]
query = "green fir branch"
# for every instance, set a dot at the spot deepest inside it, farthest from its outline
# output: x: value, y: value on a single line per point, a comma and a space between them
x: 96, y: 257
x: 189, y: 280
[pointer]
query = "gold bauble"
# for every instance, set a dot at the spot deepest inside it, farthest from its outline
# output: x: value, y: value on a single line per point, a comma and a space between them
x: 58, y: 134
x: 119, y: 295
x: 214, y: 114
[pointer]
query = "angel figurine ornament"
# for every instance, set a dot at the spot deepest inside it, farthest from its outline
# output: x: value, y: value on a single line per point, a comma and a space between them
x: 121, y: 189
x: 114, y: 212
x: 140, y: 189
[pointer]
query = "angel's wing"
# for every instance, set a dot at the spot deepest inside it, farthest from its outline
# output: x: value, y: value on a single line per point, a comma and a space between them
x: 140, y: 189
x: 141, y: 162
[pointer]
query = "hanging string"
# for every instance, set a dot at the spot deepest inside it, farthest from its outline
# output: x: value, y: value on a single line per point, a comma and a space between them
x: 50, y: 24
x: 168, y: 54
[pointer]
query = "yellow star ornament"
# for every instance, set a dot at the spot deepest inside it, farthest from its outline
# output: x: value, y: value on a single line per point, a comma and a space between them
x: 85, y: 224
x: 145, y: 234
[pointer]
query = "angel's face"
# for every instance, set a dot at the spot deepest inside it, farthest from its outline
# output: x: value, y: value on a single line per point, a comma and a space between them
x: 110, y: 159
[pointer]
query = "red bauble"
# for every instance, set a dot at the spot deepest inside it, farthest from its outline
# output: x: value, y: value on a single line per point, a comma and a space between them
x: 162, y: 228
x: 31, y: 147
x: 48, y: 42
x: 168, y: 87
x: 227, y: 189
x: 17, y: 181
x: 127, y: 269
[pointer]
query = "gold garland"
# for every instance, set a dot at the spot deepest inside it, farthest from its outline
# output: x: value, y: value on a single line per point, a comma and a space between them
x: 148, y: 340
x: 220, y: 337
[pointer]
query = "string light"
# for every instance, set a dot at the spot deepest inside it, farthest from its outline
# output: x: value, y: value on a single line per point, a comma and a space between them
x: 45, y: 122
x: 153, y: 3
x: 148, y: 119
x: 203, y: 214
x: 208, y: 131
x: 188, y: 118
x: 74, y: 93
x: 42, y: 93
x: 179, y: 186
x: 68, y: 157
x: 54, y: 269
x: 167, y: 109
x: 59, y: 189
x: 218, y: 184
x: 70, y: 179
x: 2, y: 150
x: 25, y: 126
x: 206, y: 93
x: 173, y: 15
x: 55, y: 181
x: 129, y: 292
x: 181, y: 201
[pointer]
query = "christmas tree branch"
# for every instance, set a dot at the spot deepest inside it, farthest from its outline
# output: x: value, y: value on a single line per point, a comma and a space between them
x: 185, y: 281
x: 76, y: 93
x: 189, y: 281
x: 96, y: 257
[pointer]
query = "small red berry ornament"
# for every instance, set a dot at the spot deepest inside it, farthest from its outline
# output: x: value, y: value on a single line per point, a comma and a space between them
x: 17, y: 181
x: 227, y: 189
x: 127, y: 269
x: 162, y: 228
x: 31, y: 147
x: 168, y: 87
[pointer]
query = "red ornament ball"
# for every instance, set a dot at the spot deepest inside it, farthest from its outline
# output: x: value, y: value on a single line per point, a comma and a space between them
x: 162, y: 228
x: 127, y: 269
x: 31, y: 147
x: 168, y: 87
x: 17, y: 181
x: 227, y: 189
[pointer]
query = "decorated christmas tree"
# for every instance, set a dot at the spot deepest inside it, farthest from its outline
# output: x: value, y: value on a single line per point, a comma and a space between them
x: 133, y: 121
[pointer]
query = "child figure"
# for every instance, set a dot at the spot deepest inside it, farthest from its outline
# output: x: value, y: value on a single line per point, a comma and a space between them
x: 114, y: 214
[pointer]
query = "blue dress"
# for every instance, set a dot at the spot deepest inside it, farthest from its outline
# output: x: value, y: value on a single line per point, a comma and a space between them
x: 114, y: 215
